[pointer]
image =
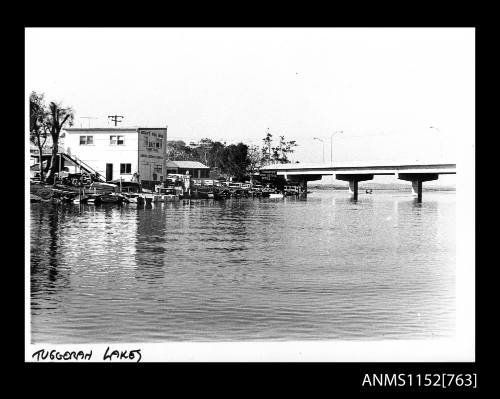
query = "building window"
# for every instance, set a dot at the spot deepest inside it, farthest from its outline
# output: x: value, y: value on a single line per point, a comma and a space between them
x: 116, y: 140
x: 158, y: 168
x: 86, y: 140
x: 125, y: 168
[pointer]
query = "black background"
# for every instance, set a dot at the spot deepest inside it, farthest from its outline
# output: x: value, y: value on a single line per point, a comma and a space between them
x: 238, y: 379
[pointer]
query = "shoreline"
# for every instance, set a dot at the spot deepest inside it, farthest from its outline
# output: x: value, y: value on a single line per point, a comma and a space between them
x: 388, y: 188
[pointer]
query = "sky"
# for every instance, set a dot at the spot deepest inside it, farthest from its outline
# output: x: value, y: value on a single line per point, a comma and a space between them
x: 395, y: 94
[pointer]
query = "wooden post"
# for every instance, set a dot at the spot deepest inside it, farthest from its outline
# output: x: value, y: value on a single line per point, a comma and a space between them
x: 59, y: 174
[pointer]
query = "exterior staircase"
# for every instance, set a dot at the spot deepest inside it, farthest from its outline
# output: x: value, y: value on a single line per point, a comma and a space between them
x: 82, y: 165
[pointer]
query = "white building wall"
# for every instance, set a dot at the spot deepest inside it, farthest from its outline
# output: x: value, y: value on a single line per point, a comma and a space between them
x: 102, y: 152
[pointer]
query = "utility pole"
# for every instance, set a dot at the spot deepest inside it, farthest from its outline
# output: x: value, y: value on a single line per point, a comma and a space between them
x: 114, y: 118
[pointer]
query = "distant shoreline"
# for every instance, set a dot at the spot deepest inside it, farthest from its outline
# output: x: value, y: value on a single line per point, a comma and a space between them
x: 388, y: 187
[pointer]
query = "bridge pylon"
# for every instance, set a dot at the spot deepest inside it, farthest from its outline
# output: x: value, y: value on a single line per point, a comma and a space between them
x: 416, y: 182
x: 353, y: 180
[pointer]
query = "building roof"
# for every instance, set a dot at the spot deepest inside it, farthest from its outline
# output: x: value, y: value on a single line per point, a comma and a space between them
x: 186, y: 165
x: 111, y: 129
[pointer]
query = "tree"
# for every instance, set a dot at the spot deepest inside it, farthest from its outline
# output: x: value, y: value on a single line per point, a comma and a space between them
x: 278, y: 154
x: 234, y: 161
x: 200, y: 153
x: 266, y: 148
x: 284, y: 149
x: 57, y: 117
x: 38, y: 126
x: 177, y: 150
x: 254, y: 159
x: 215, y: 154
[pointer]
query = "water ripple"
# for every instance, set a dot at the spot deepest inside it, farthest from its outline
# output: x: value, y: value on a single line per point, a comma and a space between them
x: 243, y: 269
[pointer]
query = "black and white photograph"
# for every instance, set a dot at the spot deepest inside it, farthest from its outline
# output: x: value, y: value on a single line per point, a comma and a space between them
x: 250, y: 194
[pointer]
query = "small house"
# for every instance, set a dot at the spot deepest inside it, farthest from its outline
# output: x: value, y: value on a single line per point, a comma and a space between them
x: 193, y: 168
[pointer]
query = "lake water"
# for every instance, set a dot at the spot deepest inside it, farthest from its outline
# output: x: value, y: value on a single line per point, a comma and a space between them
x: 245, y: 269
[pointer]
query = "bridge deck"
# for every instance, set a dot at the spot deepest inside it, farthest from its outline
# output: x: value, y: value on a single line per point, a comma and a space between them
x: 361, y: 168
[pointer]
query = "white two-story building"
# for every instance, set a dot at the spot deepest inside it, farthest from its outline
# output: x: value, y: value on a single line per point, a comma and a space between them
x: 127, y: 153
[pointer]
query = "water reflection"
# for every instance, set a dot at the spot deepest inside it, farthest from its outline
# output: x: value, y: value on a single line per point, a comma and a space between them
x: 151, y: 235
x: 244, y: 269
x: 47, y: 274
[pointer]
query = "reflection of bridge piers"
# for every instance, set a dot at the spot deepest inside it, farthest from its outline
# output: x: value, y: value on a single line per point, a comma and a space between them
x: 416, y: 173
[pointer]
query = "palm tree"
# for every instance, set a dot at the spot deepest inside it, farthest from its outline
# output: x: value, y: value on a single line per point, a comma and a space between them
x: 38, y: 128
x: 57, y: 117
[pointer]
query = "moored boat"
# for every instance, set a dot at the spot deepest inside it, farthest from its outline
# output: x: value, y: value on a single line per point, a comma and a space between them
x: 110, y: 199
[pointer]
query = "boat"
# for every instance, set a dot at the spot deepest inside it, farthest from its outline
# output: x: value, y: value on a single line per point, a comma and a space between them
x: 100, y: 187
x: 131, y: 198
x: 267, y: 191
x: 110, y: 199
x: 276, y: 195
x: 222, y: 193
x: 166, y: 194
x: 134, y: 198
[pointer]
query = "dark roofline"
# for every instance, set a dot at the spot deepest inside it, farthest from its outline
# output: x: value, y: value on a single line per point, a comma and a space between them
x: 187, y: 167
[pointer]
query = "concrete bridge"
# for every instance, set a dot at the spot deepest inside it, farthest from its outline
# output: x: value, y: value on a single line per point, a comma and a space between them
x: 354, y: 172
